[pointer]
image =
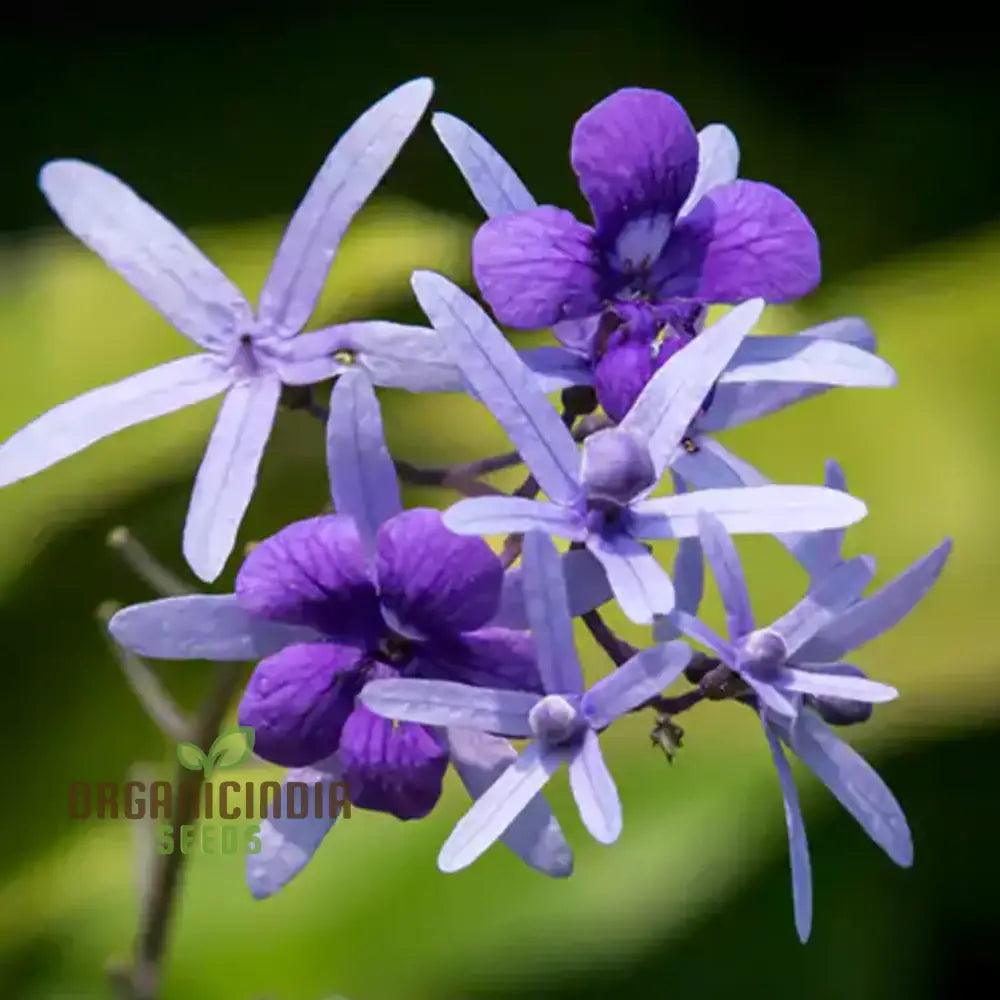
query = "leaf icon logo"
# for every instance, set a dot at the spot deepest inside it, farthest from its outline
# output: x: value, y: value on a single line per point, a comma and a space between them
x: 230, y: 749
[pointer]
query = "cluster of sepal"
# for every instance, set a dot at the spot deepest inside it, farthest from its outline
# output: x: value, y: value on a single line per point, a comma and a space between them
x: 392, y: 643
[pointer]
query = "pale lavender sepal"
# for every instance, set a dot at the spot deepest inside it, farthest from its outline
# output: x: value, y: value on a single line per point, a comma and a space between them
x: 504, y: 383
x: 501, y: 515
x: 594, y: 790
x: 556, y: 368
x: 672, y: 398
x: 718, y: 163
x: 825, y: 546
x: 228, y: 473
x: 148, y: 251
x: 824, y: 685
x: 701, y: 633
x: 645, y: 675
x: 362, y: 474
x: 498, y: 807
x: 798, y: 845
x: 80, y: 422
x: 351, y: 171
x: 211, y: 627
x: 492, y: 180
x: 811, y: 360
x: 535, y: 836
x: 637, y: 580
x: 728, y: 572
x: 855, y: 784
x: 774, y: 703
x: 287, y: 845
x: 447, y: 703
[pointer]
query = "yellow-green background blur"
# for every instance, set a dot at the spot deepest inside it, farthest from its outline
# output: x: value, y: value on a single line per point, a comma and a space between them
x: 221, y: 120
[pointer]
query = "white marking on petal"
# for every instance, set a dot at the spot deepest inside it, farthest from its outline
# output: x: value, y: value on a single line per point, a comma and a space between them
x: 641, y: 242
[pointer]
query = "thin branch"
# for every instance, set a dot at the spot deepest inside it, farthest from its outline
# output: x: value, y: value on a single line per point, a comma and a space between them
x: 617, y: 648
x: 145, y: 565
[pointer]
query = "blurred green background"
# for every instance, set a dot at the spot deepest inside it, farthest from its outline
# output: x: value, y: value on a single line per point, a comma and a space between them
x: 220, y: 119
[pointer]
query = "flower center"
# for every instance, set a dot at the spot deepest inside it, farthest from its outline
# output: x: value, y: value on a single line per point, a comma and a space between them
x: 554, y: 721
x: 640, y: 243
x: 245, y: 360
x: 762, y: 653
x: 616, y: 467
x: 395, y: 650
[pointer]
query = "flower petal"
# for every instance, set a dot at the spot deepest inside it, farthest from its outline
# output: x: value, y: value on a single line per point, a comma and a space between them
x: 313, y: 573
x: 78, y: 423
x: 701, y: 633
x: 688, y: 576
x: 824, y: 602
x: 744, y: 240
x: 497, y: 515
x: 202, y: 627
x: 298, y: 700
x: 718, y: 163
x: 855, y: 784
x: 535, y: 835
x: 488, y: 657
x: 875, y: 615
x: 492, y: 180
x: 349, y: 174
x: 594, y: 791
x: 288, y: 844
x: 362, y: 475
x: 228, y: 473
x: 432, y: 580
x: 536, y: 268
x: 396, y: 768
x: 824, y: 685
x: 644, y: 676
x: 502, y: 381
x: 577, y: 334
x: 728, y: 571
x: 798, y: 845
x: 673, y: 397
x: 445, y: 703
x: 638, y: 581
x: 826, y: 546
x: 548, y: 616
x: 498, y: 807
x: 636, y: 154
x: 148, y: 251
x: 556, y: 368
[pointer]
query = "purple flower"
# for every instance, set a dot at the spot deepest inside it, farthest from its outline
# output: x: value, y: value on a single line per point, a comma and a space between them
x: 620, y: 352
x: 247, y: 354
x: 602, y: 500
x: 332, y: 602
x: 562, y: 723
x: 793, y: 667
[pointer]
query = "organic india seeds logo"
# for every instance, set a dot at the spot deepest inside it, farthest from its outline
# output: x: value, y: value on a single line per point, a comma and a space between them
x: 201, y: 816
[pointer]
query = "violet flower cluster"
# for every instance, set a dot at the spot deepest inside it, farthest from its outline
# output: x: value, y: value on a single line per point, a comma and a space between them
x: 392, y: 643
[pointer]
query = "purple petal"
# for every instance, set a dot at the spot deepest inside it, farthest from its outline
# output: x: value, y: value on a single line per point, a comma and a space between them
x: 445, y: 703
x: 499, y: 515
x: 640, y: 584
x: 577, y: 334
x: 432, y: 580
x: 536, y: 268
x: 666, y: 407
x: 149, y: 252
x: 814, y: 360
x: 498, y: 807
x: 744, y: 240
x: 488, y: 657
x: 492, y: 180
x: 728, y: 571
x: 644, y: 676
x: 798, y: 845
x: 548, y: 616
x: 393, y: 355
x: 503, y: 383
x: 556, y: 368
x: 746, y: 510
x: 350, y: 173
x: 228, y: 473
x: 718, y: 163
x: 202, y: 627
x: 623, y: 371
x: 313, y: 573
x: 535, y: 835
x: 78, y: 423
x: 875, y: 615
x: 636, y: 154
x: 594, y: 791
x: 855, y: 784
x: 825, y: 685
x: 701, y: 633
x: 587, y: 588
x: 829, y: 596
x: 287, y: 844
x: 362, y: 475
x: 397, y: 768
x: 298, y: 700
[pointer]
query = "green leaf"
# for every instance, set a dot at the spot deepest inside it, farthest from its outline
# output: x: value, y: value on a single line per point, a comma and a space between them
x: 191, y: 757
x: 232, y: 747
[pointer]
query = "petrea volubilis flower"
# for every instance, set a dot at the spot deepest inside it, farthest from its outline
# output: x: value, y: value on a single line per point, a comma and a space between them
x: 601, y: 499
x: 765, y: 375
x: 563, y: 723
x: 372, y: 591
x: 247, y: 354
